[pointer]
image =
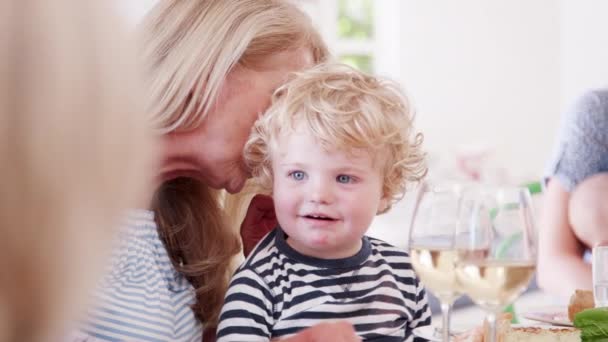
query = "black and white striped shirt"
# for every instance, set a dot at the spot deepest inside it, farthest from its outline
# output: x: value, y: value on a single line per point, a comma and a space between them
x: 278, y: 291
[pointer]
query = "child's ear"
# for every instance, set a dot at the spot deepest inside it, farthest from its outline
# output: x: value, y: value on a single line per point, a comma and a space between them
x: 383, y: 205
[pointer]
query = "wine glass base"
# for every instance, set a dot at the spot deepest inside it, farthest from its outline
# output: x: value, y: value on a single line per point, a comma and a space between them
x: 432, y: 333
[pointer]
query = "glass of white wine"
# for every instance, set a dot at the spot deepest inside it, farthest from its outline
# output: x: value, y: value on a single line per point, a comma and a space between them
x: 432, y: 229
x: 496, y: 242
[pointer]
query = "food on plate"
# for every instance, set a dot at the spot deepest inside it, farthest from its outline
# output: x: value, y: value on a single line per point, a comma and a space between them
x: 579, y: 301
x: 593, y: 324
x: 553, y: 317
x: 508, y: 333
x: 543, y: 334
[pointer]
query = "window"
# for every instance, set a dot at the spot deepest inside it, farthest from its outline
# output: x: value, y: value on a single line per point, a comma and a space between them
x: 355, y: 33
x: 361, y: 61
x: 356, y: 36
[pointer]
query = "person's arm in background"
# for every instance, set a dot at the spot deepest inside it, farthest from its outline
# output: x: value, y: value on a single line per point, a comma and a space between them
x: 561, y: 268
x: 582, y: 152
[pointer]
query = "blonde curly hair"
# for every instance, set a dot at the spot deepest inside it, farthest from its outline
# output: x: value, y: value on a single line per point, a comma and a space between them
x: 345, y: 109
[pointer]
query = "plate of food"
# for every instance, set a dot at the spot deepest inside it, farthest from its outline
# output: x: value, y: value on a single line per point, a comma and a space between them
x: 523, y: 333
x: 514, y: 332
x: 552, y: 316
x: 508, y: 332
x: 579, y: 301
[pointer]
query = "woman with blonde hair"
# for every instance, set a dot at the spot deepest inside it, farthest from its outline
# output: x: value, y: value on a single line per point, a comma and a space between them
x: 211, y: 67
x: 75, y: 155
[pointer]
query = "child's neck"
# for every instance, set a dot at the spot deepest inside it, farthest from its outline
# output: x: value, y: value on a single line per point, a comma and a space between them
x: 338, y: 253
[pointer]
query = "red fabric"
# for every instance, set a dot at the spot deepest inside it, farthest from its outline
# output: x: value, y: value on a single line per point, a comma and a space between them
x: 259, y: 220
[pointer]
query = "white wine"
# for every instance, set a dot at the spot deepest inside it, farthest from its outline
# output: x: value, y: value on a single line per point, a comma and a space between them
x: 493, y: 284
x: 435, y: 267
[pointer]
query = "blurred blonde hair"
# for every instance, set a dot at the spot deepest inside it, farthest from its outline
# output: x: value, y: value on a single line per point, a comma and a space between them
x: 345, y: 109
x: 189, y: 47
x: 75, y: 154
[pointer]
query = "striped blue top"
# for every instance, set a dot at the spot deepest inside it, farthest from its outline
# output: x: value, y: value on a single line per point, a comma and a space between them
x: 142, y: 297
x: 278, y: 291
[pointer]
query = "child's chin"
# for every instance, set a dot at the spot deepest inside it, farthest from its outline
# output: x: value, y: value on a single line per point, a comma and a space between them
x: 320, y: 240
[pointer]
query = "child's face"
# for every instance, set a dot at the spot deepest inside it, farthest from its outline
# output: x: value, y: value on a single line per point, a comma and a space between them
x: 324, y: 200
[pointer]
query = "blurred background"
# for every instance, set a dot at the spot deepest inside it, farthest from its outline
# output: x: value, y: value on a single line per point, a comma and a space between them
x: 489, y: 80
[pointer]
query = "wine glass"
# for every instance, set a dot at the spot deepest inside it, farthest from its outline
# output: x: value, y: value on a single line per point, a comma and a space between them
x: 599, y: 267
x: 496, y: 242
x: 432, y: 252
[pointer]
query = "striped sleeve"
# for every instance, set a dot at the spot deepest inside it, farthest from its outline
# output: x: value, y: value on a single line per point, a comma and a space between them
x: 247, y: 311
x: 422, y: 312
x: 141, y: 297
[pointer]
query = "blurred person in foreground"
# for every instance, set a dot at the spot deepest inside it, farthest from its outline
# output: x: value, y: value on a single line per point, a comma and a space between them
x: 574, y: 216
x: 75, y: 155
x: 210, y: 67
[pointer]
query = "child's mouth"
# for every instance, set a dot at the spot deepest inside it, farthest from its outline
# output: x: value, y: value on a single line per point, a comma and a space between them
x: 319, y: 217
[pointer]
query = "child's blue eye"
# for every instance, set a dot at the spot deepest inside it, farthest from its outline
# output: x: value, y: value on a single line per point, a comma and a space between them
x: 297, y: 175
x: 344, y: 179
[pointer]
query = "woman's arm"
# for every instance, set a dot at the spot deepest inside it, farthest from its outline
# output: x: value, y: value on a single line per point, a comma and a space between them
x: 561, y: 268
x: 580, y: 154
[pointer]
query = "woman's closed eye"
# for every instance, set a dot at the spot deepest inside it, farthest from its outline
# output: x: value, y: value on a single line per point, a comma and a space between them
x: 297, y: 175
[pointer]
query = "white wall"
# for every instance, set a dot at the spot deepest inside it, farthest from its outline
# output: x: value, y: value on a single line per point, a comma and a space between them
x: 584, y: 47
x: 497, y: 74
x: 485, y: 73
x: 481, y: 73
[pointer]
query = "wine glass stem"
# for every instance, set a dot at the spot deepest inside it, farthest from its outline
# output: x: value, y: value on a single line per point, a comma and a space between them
x: 446, y: 309
x: 491, y: 327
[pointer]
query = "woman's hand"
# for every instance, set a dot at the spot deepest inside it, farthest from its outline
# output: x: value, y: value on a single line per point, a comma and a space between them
x: 326, y: 332
x: 259, y: 220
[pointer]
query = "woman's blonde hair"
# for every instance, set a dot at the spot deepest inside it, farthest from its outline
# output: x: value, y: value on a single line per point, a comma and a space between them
x: 75, y: 155
x: 343, y: 109
x: 189, y: 47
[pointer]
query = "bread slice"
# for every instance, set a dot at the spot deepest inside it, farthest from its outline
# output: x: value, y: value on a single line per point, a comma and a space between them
x: 579, y: 301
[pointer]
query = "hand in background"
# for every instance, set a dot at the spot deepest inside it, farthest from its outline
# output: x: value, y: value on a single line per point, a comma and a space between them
x: 259, y: 220
x: 326, y: 332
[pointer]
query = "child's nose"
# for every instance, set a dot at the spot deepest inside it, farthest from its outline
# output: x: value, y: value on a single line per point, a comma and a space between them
x: 321, y: 192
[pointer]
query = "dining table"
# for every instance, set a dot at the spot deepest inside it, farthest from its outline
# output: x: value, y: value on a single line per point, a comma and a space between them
x: 530, y: 303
